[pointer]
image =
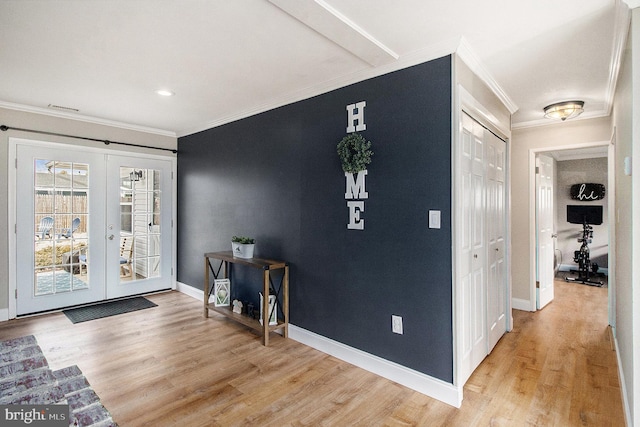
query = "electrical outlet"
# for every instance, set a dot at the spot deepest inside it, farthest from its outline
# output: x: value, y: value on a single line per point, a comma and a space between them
x: 396, y: 324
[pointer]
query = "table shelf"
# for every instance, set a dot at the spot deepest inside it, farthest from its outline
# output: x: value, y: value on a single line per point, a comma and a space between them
x: 266, y: 265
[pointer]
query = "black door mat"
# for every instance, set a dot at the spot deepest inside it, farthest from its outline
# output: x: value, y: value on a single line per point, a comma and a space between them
x: 106, y: 309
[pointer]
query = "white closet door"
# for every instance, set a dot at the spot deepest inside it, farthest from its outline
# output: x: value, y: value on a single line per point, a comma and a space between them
x: 481, y: 231
x: 495, y: 217
x: 472, y: 247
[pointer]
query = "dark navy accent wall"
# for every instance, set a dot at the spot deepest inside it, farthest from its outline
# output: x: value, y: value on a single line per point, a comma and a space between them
x: 276, y: 176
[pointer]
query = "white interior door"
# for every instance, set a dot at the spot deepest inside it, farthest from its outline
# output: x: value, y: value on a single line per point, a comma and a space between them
x: 90, y: 226
x: 59, y: 216
x: 471, y: 201
x: 544, y: 227
x: 139, y: 225
x: 496, y: 229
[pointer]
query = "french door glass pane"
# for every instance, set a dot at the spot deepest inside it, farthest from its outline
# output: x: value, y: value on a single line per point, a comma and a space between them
x: 139, y: 223
x: 61, y: 218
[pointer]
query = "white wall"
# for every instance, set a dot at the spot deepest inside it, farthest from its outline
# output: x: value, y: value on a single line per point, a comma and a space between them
x: 626, y: 120
x: 27, y: 120
x: 568, y: 173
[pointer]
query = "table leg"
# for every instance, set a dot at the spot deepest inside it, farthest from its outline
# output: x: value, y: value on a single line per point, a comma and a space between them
x: 206, y: 287
x: 285, y: 298
x: 265, y: 308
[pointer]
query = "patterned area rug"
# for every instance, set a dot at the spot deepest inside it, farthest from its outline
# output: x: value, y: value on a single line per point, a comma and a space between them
x: 27, y: 380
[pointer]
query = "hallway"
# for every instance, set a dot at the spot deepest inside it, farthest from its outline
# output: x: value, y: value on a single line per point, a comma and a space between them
x: 556, y: 368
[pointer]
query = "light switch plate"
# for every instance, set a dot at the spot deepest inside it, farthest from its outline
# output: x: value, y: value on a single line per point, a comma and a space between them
x: 434, y: 219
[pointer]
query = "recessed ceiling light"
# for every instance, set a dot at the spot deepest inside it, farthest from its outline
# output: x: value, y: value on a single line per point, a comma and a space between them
x: 164, y: 92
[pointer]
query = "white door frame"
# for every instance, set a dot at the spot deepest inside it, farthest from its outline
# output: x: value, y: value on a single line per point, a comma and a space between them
x: 12, y: 202
x: 533, y: 152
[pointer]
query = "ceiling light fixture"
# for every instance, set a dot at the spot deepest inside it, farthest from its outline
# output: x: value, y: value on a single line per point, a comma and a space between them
x: 164, y: 92
x: 564, y: 110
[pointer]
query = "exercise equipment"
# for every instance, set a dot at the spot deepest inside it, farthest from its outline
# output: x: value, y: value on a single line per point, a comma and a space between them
x: 586, y: 269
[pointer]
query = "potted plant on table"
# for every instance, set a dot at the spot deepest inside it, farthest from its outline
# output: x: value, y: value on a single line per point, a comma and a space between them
x: 242, y: 247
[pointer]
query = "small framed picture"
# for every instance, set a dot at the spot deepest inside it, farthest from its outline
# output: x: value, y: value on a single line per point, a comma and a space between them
x: 273, y: 309
x: 222, y: 292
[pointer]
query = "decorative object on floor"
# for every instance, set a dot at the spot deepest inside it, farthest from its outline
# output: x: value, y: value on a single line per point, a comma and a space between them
x: 273, y: 310
x: 221, y: 292
x: 242, y: 247
x: 250, y: 311
x: 27, y: 380
x: 587, y: 192
x: 564, y: 110
x: 106, y: 309
x: 237, y: 306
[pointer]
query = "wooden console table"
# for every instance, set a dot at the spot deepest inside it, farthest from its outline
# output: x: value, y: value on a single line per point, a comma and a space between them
x: 266, y: 265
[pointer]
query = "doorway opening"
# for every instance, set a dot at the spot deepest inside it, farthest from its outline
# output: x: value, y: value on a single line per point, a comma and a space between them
x: 91, y: 225
x: 573, y: 246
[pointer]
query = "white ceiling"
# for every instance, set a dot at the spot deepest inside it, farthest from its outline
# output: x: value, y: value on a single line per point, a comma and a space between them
x: 229, y: 59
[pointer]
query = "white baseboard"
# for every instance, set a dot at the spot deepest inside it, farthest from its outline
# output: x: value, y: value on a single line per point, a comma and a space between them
x: 4, y: 314
x: 190, y: 290
x: 422, y: 383
x: 623, y: 388
x: 521, y: 304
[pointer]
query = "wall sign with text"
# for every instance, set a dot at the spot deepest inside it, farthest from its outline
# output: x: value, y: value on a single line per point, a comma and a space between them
x: 587, y: 192
x: 355, y: 155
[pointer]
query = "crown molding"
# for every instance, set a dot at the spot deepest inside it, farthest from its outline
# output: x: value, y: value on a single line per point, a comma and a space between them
x: 621, y: 31
x: 466, y: 53
x: 86, y: 119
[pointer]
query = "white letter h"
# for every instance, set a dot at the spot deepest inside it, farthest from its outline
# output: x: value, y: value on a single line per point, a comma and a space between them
x: 353, y: 116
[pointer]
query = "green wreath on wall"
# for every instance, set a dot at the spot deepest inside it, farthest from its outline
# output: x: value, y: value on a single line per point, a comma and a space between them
x: 354, y: 151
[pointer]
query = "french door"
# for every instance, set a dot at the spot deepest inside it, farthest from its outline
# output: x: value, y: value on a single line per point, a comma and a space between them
x: 90, y: 226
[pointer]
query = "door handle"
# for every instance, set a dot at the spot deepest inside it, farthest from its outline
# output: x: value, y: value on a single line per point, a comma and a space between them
x: 475, y: 255
x: 110, y: 237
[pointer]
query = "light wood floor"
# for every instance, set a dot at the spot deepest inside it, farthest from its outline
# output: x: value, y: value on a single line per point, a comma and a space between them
x: 168, y: 366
